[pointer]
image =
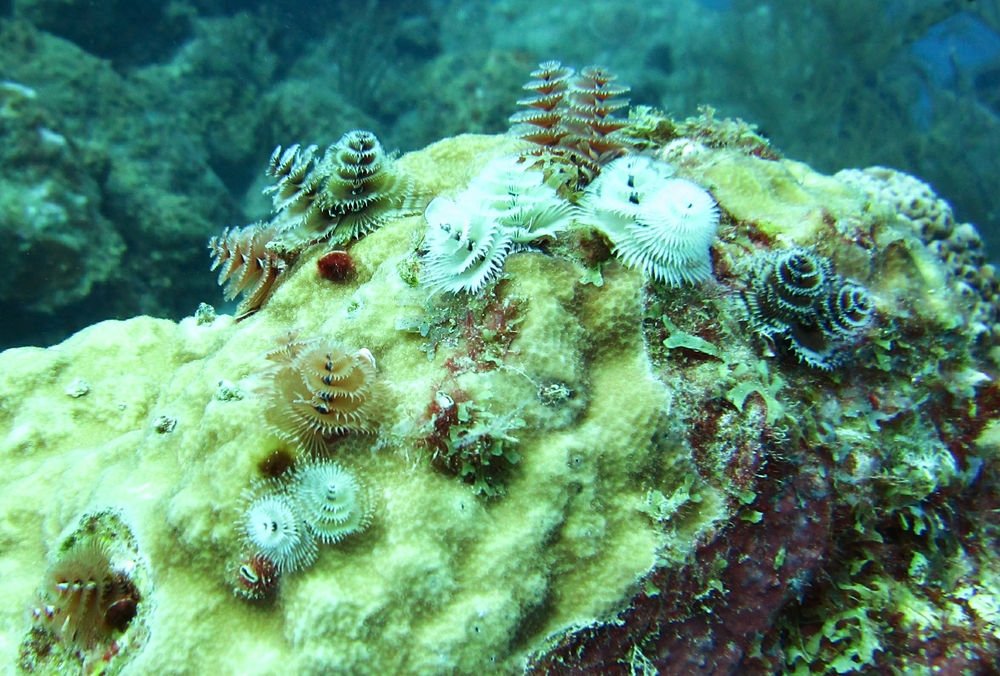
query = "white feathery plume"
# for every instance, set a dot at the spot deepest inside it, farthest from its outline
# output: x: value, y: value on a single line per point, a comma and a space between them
x: 624, y: 186
x: 332, y: 501
x: 521, y: 199
x: 274, y: 528
x: 661, y: 225
x: 466, y: 246
x: 505, y: 208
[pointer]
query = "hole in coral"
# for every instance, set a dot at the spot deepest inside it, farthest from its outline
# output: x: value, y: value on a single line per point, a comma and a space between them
x: 276, y: 463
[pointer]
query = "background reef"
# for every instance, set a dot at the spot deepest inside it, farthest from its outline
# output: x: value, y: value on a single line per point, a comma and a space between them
x: 131, y: 131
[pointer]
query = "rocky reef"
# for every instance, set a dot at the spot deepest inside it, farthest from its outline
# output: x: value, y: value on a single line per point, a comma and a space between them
x: 789, y: 466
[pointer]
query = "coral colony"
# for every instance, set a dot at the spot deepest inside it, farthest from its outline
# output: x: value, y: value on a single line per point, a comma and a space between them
x: 655, y: 222
x: 615, y: 334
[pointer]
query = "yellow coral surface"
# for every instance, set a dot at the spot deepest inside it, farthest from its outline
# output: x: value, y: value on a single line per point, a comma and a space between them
x: 444, y: 581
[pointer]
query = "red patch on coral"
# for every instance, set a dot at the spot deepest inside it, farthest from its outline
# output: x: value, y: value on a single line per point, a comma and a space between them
x: 257, y: 577
x: 492, y: 333
x: 337, y: 266
x: 442, y: 413
x: 961, y: 422
x: 690, y: 626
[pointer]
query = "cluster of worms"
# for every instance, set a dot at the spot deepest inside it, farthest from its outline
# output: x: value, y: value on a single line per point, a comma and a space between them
x: 661, y: 225
x: 316, y: 391
x: 795, y: 293
x: 351, y: 190
x: 318, y: 502
x: 505, y: 208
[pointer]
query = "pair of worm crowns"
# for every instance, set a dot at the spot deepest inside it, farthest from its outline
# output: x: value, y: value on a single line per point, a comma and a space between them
x: 351, y: 190
x: 572, y: 115
x: 318, y: 390
x: 661, y: 225
x: 505, y: 208
x: 319, y: 502
x: 795, y: 293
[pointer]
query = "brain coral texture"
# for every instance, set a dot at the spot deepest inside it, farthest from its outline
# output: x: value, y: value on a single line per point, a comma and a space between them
x: 679, y: 493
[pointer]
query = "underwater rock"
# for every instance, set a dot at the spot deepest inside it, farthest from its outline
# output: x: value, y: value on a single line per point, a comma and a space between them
x: 676, y: 494
x: 55, y: 242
